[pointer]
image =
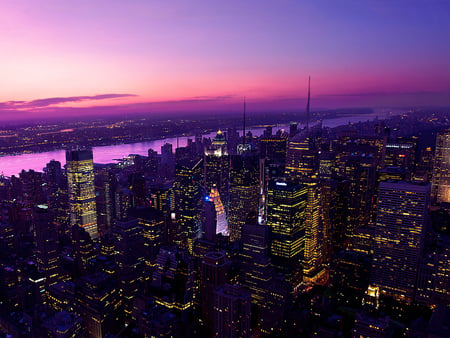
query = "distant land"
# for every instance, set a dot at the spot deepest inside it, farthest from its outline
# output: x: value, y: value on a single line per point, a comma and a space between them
x: 48, y: 135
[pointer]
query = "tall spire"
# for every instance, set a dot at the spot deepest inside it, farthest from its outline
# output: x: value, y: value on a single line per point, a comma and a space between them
x: 307, y: 104
x: 243, y: 130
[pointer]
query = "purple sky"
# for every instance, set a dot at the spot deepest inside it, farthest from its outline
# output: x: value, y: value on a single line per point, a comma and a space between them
x: 94, y: 57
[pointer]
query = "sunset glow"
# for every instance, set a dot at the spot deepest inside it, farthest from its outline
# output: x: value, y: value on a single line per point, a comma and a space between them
x: 206, y: 55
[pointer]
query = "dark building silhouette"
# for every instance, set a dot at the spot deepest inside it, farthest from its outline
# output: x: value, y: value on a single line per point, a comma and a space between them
x: 232, y: 305
x: 213, y: 271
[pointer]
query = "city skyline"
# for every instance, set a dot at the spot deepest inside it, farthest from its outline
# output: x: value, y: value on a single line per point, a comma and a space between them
x: 214, y: 238
x: 149, y: 57
x: 224, y: 169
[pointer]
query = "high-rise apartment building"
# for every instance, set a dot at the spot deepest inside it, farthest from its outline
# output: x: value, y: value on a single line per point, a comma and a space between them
x: 399, y: 237
x: 80, y: 177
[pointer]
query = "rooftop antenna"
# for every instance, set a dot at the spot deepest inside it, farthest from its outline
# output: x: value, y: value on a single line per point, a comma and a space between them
x: 244, y: 124
x: 307, y: 104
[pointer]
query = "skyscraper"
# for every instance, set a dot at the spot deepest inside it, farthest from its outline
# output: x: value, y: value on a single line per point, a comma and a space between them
x: 214, y: 269
x: 256, y: 272
x: 232, y: 304
x: 217, y: 167
x: 80, y: 177
x: 221, y: 217
x: 188, y: 198
x: 440, y: 189
x: 399, y: 237
x: 313, y: 270
x: 46, y: 238
x: 130, y: 257
x: 302, y: 155
x: 286, y: 216
x: 244, y: 191
x: 173, y: 279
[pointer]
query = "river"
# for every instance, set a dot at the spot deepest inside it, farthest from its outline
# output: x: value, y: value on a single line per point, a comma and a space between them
x: 14, y: 164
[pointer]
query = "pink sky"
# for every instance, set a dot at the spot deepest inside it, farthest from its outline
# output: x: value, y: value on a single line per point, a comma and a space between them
x: 207, y: 55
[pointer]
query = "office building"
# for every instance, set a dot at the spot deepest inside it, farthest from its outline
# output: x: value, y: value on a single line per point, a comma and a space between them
x: 257, y: 272
x: 302, y: 159
x: 188, y: 198
x: 98, y: 302
x: 440, y: 188
x: 217, y: 168
x: 313, y: 268
x: 399, y: 238
x: 220, y: 217
x: 63, y: 325
x: 80, y: 177
x: 46, y: 239
x: 244, y: 191
x: 232, y: 305
x: 173, y: 279
x: 213, y: 272
x: 286, y: 216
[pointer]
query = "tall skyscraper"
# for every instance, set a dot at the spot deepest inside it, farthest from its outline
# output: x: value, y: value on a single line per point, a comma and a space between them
x: 302, y: 159
x: 46, y: 238
x: 167, y: 164
x: 313, y: 269
x: 244, y: 191
x: 217, y: 168
x: 256, y: 269
x: 257, y: 274
x: 286, y: 216
x: 57, y: 195
x: 221, y: 217
x: 440, y: 189
x: 214, y: 269
x: 104, y: 191
x: 130, y: 258
x: 399, y: 237
x: 188, y: 198
x: 80, y: 177
x: 272, y: 164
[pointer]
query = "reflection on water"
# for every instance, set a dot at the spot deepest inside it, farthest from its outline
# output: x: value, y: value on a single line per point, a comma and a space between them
x: 12, y: 165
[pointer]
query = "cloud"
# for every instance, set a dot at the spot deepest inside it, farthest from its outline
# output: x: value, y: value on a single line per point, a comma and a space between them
x: 49, y: 107
x: 50, y: 103
x: 42, y: 103
x: 195, y: 99
x: 213, y: 98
